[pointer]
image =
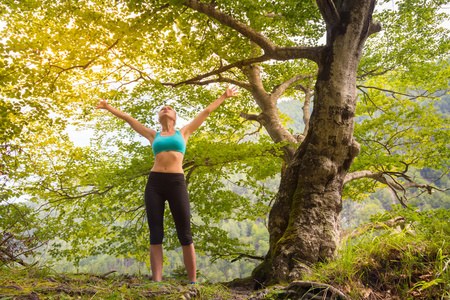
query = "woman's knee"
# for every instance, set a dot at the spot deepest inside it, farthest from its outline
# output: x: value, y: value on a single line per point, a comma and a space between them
x: 156, y: 235
x: 185, y: 238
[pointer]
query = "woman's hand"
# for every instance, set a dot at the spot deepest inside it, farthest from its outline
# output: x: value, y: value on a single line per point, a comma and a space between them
x: 230, y: 92
x: 102, y: 104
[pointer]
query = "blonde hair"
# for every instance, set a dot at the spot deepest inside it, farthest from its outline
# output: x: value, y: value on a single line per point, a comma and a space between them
x: 174, y: 111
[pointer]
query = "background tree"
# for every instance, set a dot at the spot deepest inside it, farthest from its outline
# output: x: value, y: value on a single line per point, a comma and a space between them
x: 140, y: 51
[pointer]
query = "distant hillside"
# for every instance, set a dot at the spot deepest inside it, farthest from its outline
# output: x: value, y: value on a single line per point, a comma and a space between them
x: 293, y: 109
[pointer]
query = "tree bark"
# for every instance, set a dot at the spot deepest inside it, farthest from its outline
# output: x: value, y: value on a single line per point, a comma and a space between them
x: 269, y: 117
x: 304, y: 223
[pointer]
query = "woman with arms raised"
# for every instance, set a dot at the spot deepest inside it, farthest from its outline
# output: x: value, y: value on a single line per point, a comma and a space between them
x: 166, y: 180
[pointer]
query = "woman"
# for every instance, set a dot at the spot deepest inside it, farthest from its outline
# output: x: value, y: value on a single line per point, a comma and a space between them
x: 166, y: 180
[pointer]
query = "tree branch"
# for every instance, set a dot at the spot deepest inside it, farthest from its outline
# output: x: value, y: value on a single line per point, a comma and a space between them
x: 271, y: 51
x: 285, y: 85
x: 250, y: 117
x: 86, y: 64
x: 142, y: 74
x: 252, y: 133
x: 239, y: 64
x: 107, y: 273
x: 241, y: 84
x: 367, y: 97
x: 248, y: 32
x: 239, y: 256
x: 329, y: 12
x: 374, y: 72
x: 377, y: 226
x: 388, y: 179
x: 66, y: 196
x: 374, y: 27
x: 288, y: 53
x: 13, y: 258
x: 394, y: 92
x: 361, y: 174
x: 189, y: 174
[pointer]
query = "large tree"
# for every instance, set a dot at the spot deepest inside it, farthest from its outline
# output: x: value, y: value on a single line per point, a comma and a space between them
x: 68, y: 52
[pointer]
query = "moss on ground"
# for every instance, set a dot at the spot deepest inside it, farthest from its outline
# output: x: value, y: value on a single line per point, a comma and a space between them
x: 42, y: 283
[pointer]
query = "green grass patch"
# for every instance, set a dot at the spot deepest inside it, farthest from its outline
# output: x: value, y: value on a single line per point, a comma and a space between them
x: 47, y: 284
x: 410, y: 261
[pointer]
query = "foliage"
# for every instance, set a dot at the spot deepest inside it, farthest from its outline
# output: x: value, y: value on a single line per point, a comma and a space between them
x: 22, y: 234
x: 397, y: 132
x: 408, y: 263
x: 431, y: 224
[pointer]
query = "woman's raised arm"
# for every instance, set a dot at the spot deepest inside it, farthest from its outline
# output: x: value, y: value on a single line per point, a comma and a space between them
x: 201, y: 117
x: 148, y: 133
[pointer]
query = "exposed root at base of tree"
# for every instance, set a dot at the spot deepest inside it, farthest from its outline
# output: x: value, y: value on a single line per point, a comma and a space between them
x: 67, y: 290
x: 304, y: 290
x: 99, y: 276
x: 31, y: 296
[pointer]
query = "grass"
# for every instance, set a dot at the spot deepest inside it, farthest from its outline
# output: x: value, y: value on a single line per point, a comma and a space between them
x: 49, y: 285
x: 411, y: 263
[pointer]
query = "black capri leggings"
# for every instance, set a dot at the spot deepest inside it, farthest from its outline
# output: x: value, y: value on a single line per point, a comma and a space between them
x: 171, y: 187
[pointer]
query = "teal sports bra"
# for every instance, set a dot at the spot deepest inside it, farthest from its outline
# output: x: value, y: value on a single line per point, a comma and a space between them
x: 174, y: 142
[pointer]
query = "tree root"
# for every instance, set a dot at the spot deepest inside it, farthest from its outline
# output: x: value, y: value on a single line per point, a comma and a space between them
x: 191, y: 293
x: 316, y: 290
x: 377, y: 226
x: 67, y: 290
x: 304, y: 290
x: 11, y: 287
x: 31, y: 296
x: 103, y: 276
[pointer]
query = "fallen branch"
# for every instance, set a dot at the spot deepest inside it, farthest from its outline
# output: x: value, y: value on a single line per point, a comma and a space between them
x: 10, y: 257
x: 239, y: 256
x: 103, y: 276
x: 107, y: 273
x: 67, y: 290
x: 377, y: 226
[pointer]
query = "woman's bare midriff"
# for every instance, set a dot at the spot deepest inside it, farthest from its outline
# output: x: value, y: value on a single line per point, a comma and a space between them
x: 168, y: 162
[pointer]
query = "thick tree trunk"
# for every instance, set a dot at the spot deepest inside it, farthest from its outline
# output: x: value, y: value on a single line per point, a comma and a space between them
x: 304, y: 223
